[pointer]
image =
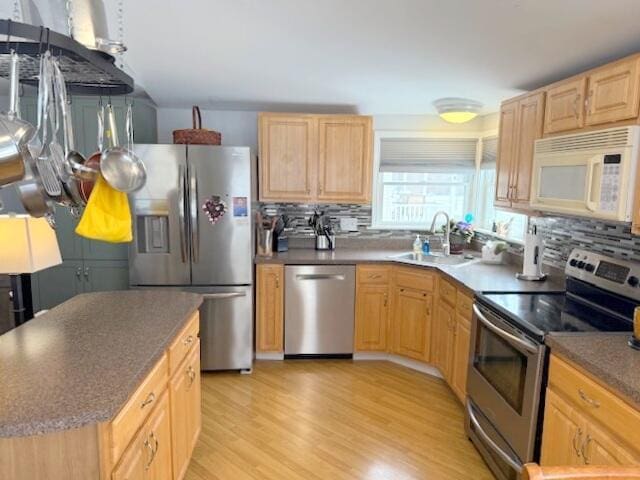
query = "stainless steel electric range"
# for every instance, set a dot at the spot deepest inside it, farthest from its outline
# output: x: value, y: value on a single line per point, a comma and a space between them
x: 509, y: 359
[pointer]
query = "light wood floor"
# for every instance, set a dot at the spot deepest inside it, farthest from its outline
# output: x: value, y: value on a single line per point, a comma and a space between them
x: 332, y: 419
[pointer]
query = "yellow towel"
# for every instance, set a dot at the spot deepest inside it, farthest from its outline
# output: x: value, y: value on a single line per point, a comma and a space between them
x: 107, y: 216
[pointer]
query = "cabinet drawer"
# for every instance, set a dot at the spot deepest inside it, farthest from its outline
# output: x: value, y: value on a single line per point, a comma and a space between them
x: 595, y: 401
x: 464, y: 306
x: 184, y: 342
x: 373, y: 274
x: 448, y: 291
x: 414, y: 278
x: 136, y: 410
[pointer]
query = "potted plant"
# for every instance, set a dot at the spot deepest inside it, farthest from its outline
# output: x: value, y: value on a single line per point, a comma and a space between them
x: 461, y: 234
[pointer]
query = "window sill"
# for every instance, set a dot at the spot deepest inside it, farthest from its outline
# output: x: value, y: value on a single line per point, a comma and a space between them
x: 495, y: 236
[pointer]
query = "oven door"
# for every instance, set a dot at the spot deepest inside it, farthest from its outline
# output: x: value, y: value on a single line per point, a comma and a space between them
x: 505, y: 379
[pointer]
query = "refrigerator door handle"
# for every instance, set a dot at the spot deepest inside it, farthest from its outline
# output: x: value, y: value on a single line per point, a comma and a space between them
x: 217, y: 296
x: 193, y: 207
x: 182, y: 207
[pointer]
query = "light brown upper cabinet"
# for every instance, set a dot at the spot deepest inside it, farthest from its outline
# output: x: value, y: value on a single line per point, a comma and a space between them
x: 288, y: 157
x: 564, y: 110
x: 521, y: 122
x: 315, y: 158
x: 344, y: 159
x: 613, y: 93
x: 601, y: 96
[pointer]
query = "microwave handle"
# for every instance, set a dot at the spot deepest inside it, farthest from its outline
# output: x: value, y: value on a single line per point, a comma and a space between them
x: 593, y: 161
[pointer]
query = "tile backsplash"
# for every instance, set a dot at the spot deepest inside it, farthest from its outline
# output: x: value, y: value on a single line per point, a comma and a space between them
x: 561, y: 234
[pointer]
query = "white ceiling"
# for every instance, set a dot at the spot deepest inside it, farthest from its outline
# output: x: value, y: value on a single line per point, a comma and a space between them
x: 370, y: 56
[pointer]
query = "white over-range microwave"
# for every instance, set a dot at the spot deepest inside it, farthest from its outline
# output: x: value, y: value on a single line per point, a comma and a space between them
x: 589, y: 174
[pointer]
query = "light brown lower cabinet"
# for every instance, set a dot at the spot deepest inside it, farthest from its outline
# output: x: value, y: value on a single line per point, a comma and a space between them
x: 443, y: 338
x: 270, y: 308
x: 585, y: 423
x: 184, y: 391
x: 148, y: 457
x: 401, y: 308
x: 150, y: 438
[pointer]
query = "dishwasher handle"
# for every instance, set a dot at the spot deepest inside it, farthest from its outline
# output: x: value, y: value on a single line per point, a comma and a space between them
x: 319, y: 276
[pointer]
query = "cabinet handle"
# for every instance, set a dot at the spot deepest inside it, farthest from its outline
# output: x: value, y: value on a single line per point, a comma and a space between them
x: 86, y: 273
x: 585, y: 450
x: 188, y: 341
x: 150, y: 399
x: 277, y: 282
x: 575, y: 106
x: 385, y: 299
x: 587, y: 101
x: 576, y: 442
x: 373, y: 276
x: 515, y: 193
x: 402, y: 289
x: 78, y: 272
x: 192, y: 375
x: 585, y: 398
x: 152, y: 448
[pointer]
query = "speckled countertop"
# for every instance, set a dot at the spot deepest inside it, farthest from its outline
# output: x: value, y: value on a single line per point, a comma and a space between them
x: 477, y: 276
x: 78, y: 363
x: 606, y: 356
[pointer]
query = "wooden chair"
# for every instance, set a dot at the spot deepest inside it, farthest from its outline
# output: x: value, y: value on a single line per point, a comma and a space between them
x: 533, y: 471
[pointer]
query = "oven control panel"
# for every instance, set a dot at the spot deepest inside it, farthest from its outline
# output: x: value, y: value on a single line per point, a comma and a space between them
x: 612, y: 274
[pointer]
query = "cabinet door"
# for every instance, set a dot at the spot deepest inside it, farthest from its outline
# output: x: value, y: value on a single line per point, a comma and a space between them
x: 57, y: 284
x: 505, y: 158
x: 106, y: 276
x: 529, y: 129
x: 158, y: 433
x: 601, y: 448
x: 564, y: 108
x: 563, y: 433
x: 269, y: 308
x: 461, y: 357
x: 614, y: 93
x: 133, y: 463
x: 412, y: 323
x: 288, y: 157
x: 185, y: 412
x: 344, y: 159
x: 372, y: 311
x: 442, y: 339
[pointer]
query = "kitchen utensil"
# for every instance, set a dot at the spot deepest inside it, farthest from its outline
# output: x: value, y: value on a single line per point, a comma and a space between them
x: 16, y: 133
x: 197, y: 135
x: 44, y: 163
x: 119, y: 165
x: 325, y: 242
x: 31, y: 190
x: 93, y: 162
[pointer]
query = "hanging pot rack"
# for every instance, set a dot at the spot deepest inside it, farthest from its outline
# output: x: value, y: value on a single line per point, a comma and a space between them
x: 87, y: 72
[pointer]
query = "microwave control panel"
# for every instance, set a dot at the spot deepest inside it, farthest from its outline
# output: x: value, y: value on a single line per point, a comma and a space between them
x: 610, y: 185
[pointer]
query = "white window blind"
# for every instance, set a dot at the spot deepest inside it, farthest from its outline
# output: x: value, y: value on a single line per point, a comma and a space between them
x: 489, y: 153
x: 422, y: 155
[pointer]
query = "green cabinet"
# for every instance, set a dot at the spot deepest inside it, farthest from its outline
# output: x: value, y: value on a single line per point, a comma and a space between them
x: 88, y: 266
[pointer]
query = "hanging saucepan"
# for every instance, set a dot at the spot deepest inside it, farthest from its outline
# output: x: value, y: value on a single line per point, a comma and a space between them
x: 93, y: 162
x: 30, y: 189
x: 120, y: 167
x: 66, y: 160
x: 15, y: 134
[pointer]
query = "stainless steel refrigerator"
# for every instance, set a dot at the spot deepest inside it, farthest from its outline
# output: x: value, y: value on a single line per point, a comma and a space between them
x: 193, y: 232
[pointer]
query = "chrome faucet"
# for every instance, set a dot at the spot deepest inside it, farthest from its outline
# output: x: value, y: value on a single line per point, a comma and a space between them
x: 446, y: 246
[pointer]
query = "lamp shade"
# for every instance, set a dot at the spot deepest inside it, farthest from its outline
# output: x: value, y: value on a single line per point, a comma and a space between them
x: 457, y: 110
x: 27, y: 245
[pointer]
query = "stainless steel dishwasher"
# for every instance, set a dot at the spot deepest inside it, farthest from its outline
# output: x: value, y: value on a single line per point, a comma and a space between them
x: 319, y: 310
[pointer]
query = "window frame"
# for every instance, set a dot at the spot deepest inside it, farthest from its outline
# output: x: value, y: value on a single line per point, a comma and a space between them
x: 377, y: 183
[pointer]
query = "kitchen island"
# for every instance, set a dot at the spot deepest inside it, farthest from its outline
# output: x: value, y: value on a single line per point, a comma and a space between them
x: 88, y: 387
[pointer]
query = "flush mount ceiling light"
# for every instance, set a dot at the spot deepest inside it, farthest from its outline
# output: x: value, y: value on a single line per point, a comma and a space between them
x: 457, y: 110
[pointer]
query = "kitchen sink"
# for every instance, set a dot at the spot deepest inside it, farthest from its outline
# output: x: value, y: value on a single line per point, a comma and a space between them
x: 436, y: 259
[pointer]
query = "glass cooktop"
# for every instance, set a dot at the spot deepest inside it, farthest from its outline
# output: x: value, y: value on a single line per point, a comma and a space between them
x: 540, y: 314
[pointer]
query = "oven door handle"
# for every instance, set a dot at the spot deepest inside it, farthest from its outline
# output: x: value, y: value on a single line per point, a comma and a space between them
x: 530, y: 347
x: 517, y: 466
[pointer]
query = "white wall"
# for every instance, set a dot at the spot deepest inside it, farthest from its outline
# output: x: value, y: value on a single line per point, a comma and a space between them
x: 240, y: 128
